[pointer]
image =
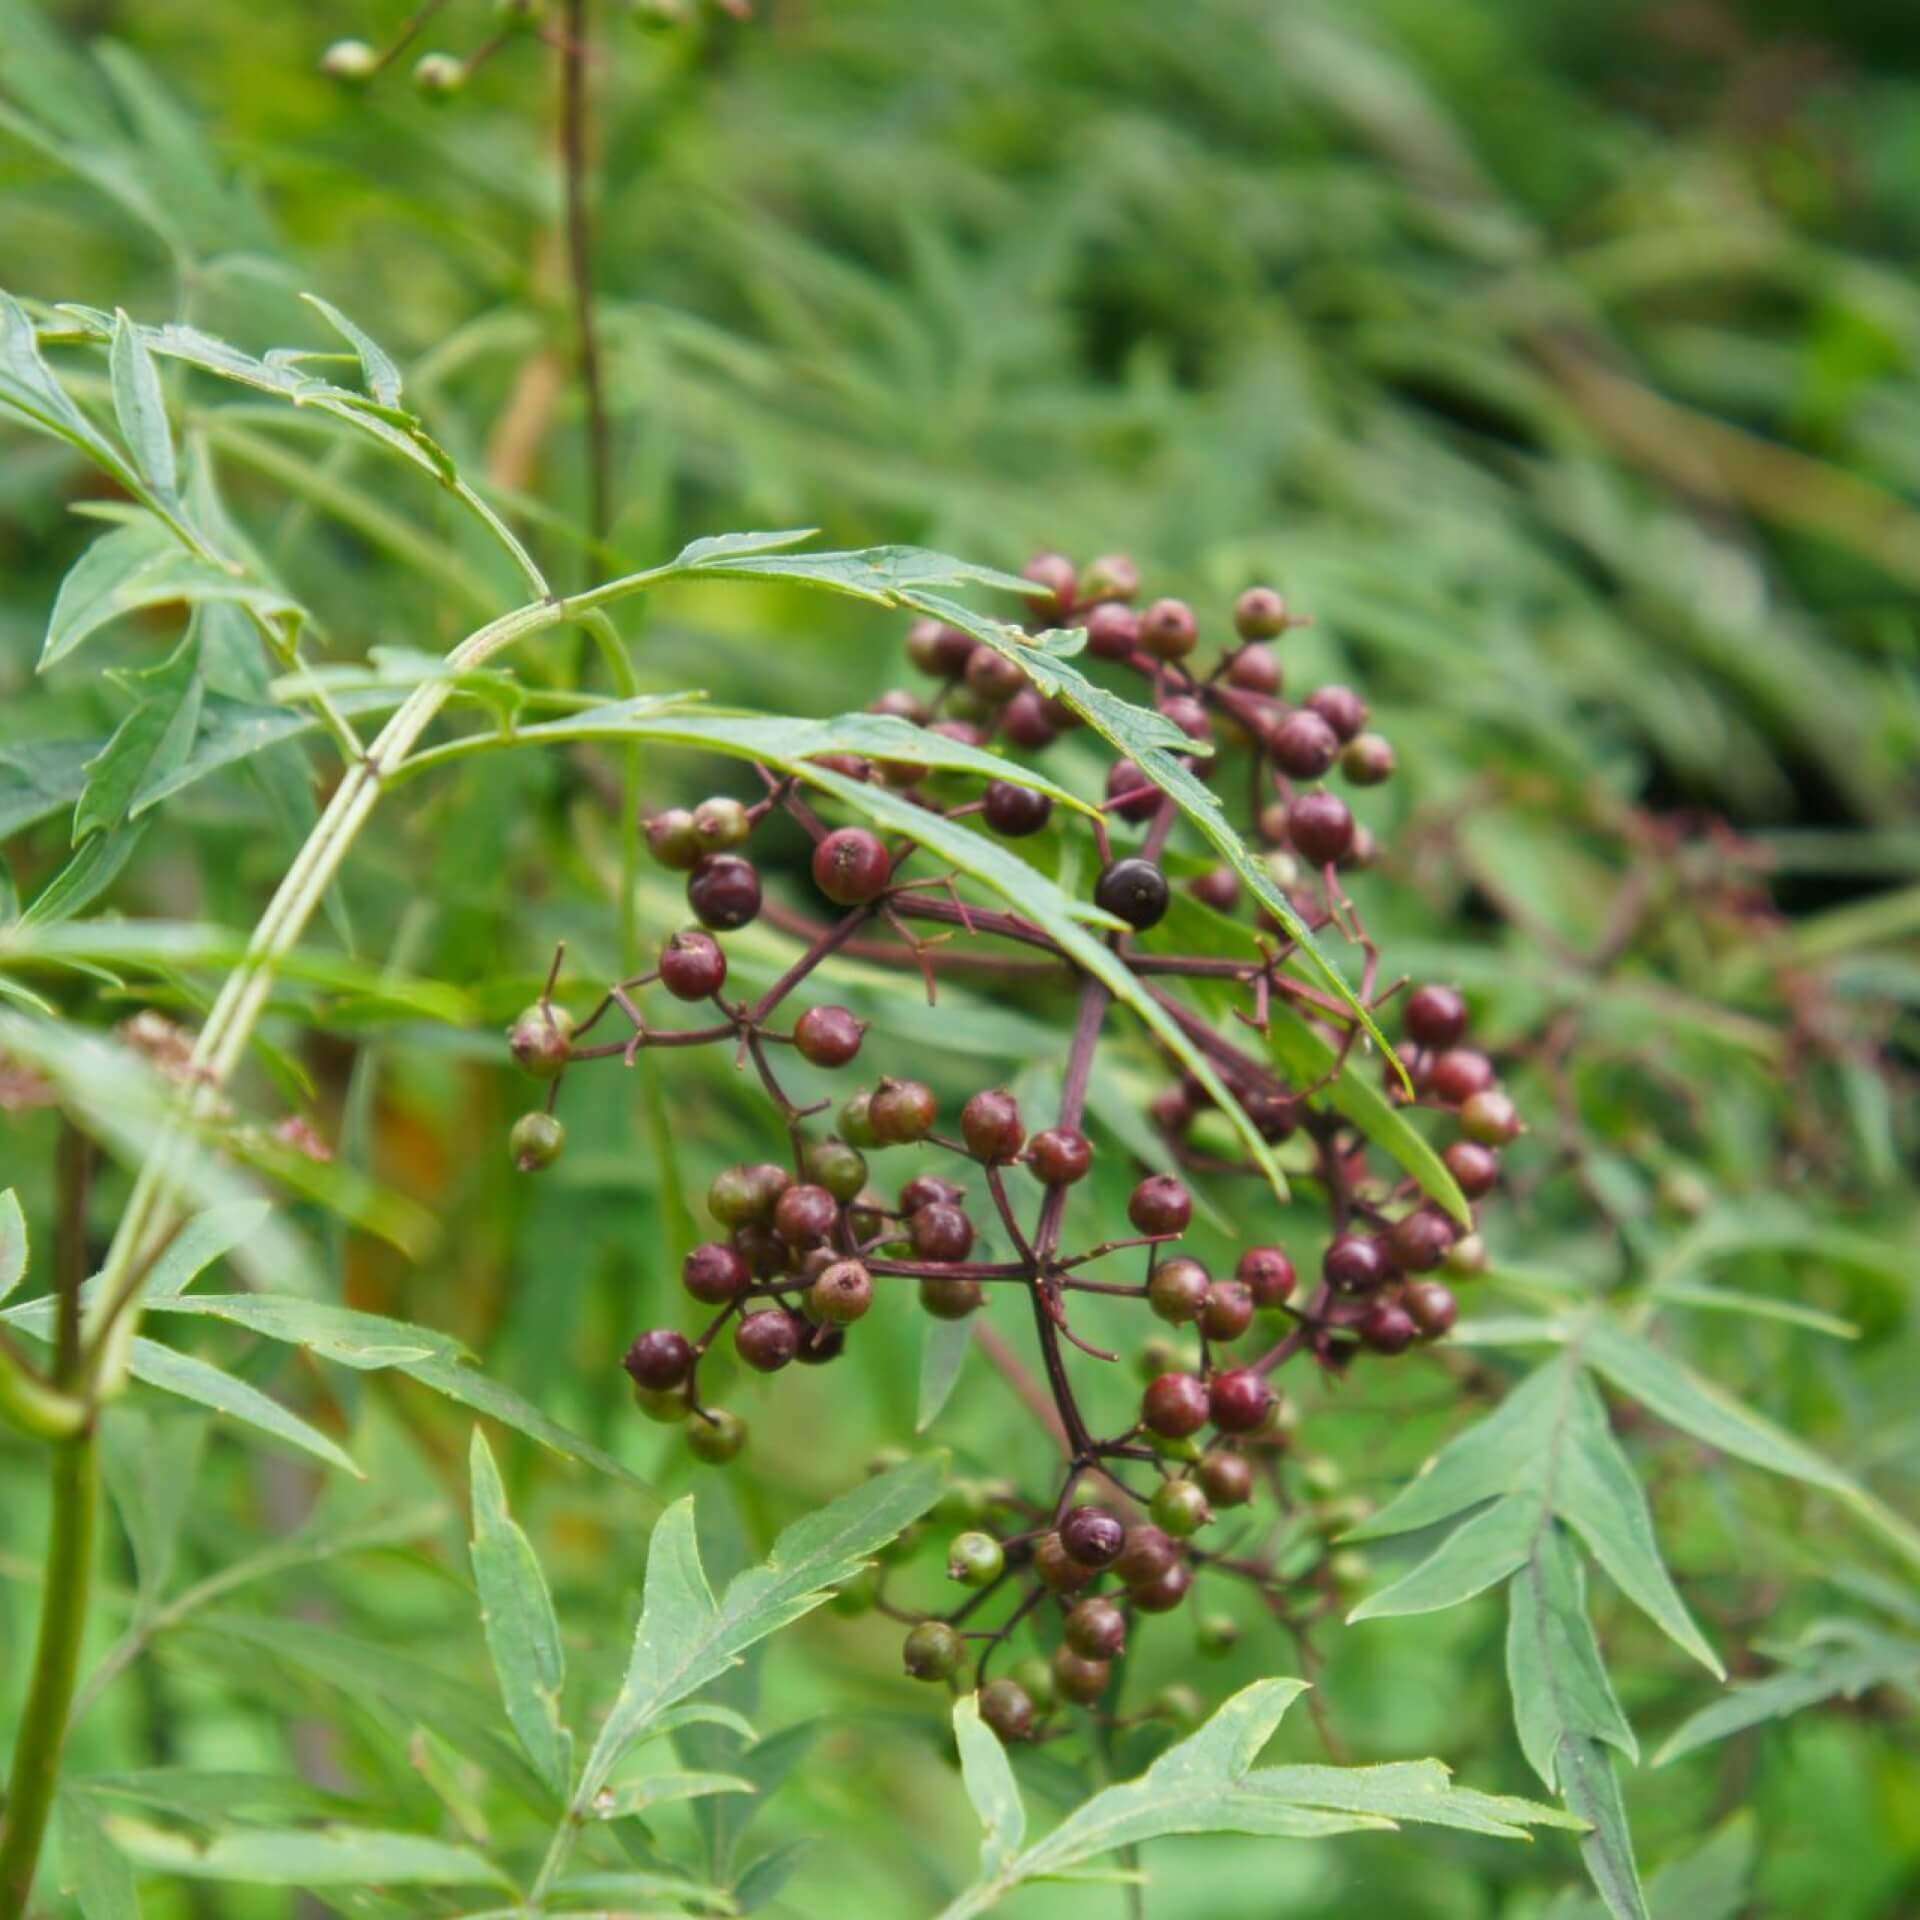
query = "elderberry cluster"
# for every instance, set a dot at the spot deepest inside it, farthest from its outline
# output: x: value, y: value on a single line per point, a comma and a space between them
x: 803, y: 1250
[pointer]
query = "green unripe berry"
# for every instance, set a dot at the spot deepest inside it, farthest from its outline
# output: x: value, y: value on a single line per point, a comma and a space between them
x: 520, y: 16
x: 1215, y: 1635
x: 721, y: 824
x: 975, y: 1559
x: 541, y: 1041
x: 933, y: 1651
x: 1035, y: 1677
x: 856, y: 1119
x: 963, y: 1504
x: 1162, y: 1355
x: 668, y: 1405
x: 1467, y: 1257
x: 536, y: 1141
x: 1349, y: 1569
x: 716, y: 1436
x: 841, y: 1169
x: 438, y: 77
x: 1321, y: 1475
x: 1180, y: 1508
x: 351, y: 62
x: 857, y: 1595
x: 1181, y: 1705
x: 904, y: 1544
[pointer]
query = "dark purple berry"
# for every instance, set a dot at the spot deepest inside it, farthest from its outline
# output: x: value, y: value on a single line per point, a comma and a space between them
x: 929, y: 1190
x: 1254, y: 669
x: 990, y: 1125
x: 1096, y: 1629
x: 767, y: 1340
x: 993, y: 678
x: 1130, y: 794
x: 1166, y: 1593
x: 1431, y: 1306
x: 827, y: 1036
x: 940, y: 1232
x: 1059, y: 1156
x: 1475, y: 1168
x: 660, y: 1359
x: 1026, y: 722
x: 1458, y: 1074
x: 1113, y: 631
x: 1228, y: 1310
x: 1303, y: 745
x: 1189, y: 715
x: 1387, y: 1328
x: 1320, y: 825
x: 1081, y: 1680
x: 692, y: 967
x: 724, y: 891
x: 1218, y: 888
x: 1092, y: 1535
x: 805, y: 1215
x: 1435, y: 1017
x: 1014, y: 811
x: 714, y: 1274
x: 1419, y: 1241
x: 1240, y: 1400
x: 938, y: 649
x: 1267, y: 1273
x: 1057, y: 1569
x: 1341, y: 708
x: 1175, y: 1405
x: 1160, y: 1204
x: 901, y: 1111
x: 1168, y: 631
x: 1354, y: 1263
x: 1058, y: 580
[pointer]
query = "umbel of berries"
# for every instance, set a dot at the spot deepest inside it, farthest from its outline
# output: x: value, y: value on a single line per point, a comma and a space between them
x: 1118, y: 1161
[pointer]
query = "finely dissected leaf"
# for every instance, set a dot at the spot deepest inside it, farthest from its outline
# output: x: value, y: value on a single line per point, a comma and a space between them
x: 368, y: 1341
x: 1307, y: 1059
x: 1839, y: 1661
x: 1592, y: 1790
x: 1205, y: 1784
x: 29, y: 390
x: 141, y: 408
x: 309, y: 1857
x: 210, y: 1235
x: 1477, y: 1554
x: 1550, y: 1438
x: 1686, y: 1400
x: 686, y: 1638
x: 880, y: 574
x: 142, y: 565
x: 149, y: 743
x: 724, y: 1819
x: 1758, y: 1306
x: 93, y: 1869
x: 209, y: 1386
x: 523, y: 1635
x: 209, y: 1797
x: 13, y: 1242
x: 377, y: 366
x: 151, y: 1466
x: 97, y: 864
x: 944, y: 1345
x: 614, y: 1892
x: 764, y: 1878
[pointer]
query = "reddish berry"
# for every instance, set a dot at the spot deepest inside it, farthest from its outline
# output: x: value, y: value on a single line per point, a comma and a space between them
x: 1303, y: 745
x: 1175, y: 1405
x: 901, y: 1112
x: 1111, y: 577
x: 1432, y: 1307
x: 1145, y: 1555
x: 1130, y: 794
x: 899, y: 704
x: 805, y: 1215
x: 1435, y: 1017
x: 660, y: 1359
x: 1228, y: 1310
x: 1218, y: 888
x: 714, y: 1274
x: 929, y: 1190
x: 1057, y: 1569
x: 1058, y: 580
x: 828, y: 1036
x: 851, y: 867
x: 992, y: 677
x: 672, y: 841
x: 1189, y: 715
x: 1418, y: 1242
x: 1059, y: 1156
x: 1475, y: 1168
x: 1240, y: 1400
x: 767, y: 1340
x: 1014, y: 811
x: 724, y: 891
x: 1134, y: 891
x: 1160, y: 1204
x: 990, y: 1125
x: 1458, y: 1074
x: 1226, y: 1478
x: 1007, y: 1707
x: 1092, y: 1535
x: 940, y: 1232
x: 1081, y: 1680
x: 1177, y: 1290
x: 1166, y: 1593
x: 938, y: 649
x: 1354, y: 1263
x: 766, y: 1254
x: 1490, y: 1118
x: 692, y: 967
x: 1167, y: 630
x: 1027, y: 723
x: 1267, y: 1273
x: 1113, y: 631
x: 1255, y: 669
x: 1387, y: 1328
x: 1320, y: 825
x: 1259, y: 614
x: 1096, y: 1629
x: 1342, y: 709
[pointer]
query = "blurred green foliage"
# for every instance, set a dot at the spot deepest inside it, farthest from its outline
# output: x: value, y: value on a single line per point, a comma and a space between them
x: 1563, y: 364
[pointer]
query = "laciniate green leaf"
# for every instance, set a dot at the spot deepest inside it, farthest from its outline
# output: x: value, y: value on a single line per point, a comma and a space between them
x: 377, y: 366
x: 209, y: 1386
x: 1839, y: 1660
x: 523, y: 1635
x: 1590, y: 1785
x: 13, y: 1242
x: 884, y: 575
x: 210, y: 1235
x: 29, y: 391
x: 1476, y: 1555
x: 944, y: 1345
x: 991, y: 1787
x: 95, y: 866
x: 147, y: 745
x: 686, y: 1638
x: 92, y: 1868
x: 1307, y: 1059
x: 141, y: 408
x: 1207, y: 1784
x: 625, y: 1799
x: 308, y: 1857
x: 616, y: 1893
x: 151, y: 1466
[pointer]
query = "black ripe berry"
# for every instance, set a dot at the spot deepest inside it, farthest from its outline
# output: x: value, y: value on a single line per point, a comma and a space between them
x: 1134, y: 891
x: 1355, y: 1263
x: 692, y: 967
x: 827, y: 1036
x: 851, y: 867
x: 1014, y: 811
x: 724, y: 891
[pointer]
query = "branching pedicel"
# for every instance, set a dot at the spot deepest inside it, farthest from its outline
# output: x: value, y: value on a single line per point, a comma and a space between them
x: 807, y: 1248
